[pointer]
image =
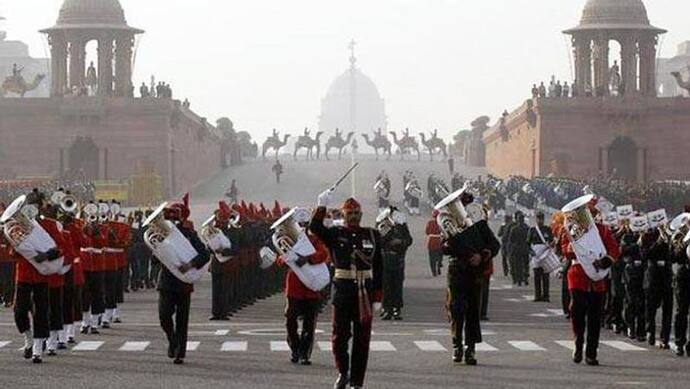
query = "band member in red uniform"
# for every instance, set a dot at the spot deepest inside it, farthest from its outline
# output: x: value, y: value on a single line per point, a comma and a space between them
x: 93, y: 303
x: 31, y: 310
x: 118, y: 240
x: 74, y: 279
x: 588, y: 295
x: 302, y: 302
x: 356, y: 255
x: 174, y: 294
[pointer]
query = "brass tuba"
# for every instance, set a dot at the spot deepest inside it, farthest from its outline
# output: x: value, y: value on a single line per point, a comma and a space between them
x: 170, y: 246
x: 215, y: 239
x: 28, y: 238
x: 286, y: 232
x: 584, y: 236
x: 680, y: 228
x: 452, y: 218
x: 385, y: 222
x: 69, y: 205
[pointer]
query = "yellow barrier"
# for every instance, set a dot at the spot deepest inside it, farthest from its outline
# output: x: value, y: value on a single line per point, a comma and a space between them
x: 145, y: 190
x: 111, y: 190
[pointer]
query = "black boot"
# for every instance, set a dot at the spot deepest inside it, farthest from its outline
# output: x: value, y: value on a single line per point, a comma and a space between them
x: 680, y: 350
x: 172, y: 349
x: 341, y: 382
x: 651, y: 339
x: 470, y: 360
x: 458, y: 353
x: 592, y: 361
x: 577, y: 355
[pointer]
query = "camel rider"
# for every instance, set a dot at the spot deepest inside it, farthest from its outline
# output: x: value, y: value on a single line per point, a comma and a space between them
x: 338, y: 133
x: 378, y: 133
x: 306, y: 132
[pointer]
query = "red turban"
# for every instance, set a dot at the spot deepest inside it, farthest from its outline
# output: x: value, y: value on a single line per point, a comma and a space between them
x: 351, y: 205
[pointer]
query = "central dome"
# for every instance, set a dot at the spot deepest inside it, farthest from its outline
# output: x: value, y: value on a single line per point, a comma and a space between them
x: 352, y: 102
x: 75, y: 14
x: 615, y: 14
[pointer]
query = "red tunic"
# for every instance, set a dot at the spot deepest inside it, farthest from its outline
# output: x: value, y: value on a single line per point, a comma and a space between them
x: 294, y: 288
x: 433, y: 232
x: 118, y: 235
x: 26, y: 273
x: 78, y: 239
x: 577, y: 278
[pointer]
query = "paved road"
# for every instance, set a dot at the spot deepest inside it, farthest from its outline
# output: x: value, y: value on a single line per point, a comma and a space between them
x: 526, y: 344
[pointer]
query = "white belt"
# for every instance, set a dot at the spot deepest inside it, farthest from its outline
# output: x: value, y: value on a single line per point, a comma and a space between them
x: 344, y: 274
x: 91, y: 250
x: 661, y: 263
x: 114, y: 251
x: 637, y: 263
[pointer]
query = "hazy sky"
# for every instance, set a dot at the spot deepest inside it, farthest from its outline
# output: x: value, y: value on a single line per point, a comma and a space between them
x: 268, y: 63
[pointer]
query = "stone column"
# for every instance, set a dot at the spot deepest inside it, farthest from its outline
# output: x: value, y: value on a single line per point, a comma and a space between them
x: 77, y: 58
x: 105, y: 65
x: 601, y: 64
x: 583, y: 62
x: 629, y: 64
x: 123, y: 66
x: 58, y: 64
x: 648, y: 66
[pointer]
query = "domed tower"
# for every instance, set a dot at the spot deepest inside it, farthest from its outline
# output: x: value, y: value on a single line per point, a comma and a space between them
x: 79, y: 22
x: 352, y: 102
x: 626, y: 22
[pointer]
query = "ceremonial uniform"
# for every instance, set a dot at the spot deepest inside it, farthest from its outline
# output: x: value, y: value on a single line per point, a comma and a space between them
x: 74, y: 280
x: 633, y: 279
x: 519, y: 251
x: 465, y: 285
x: 587, y: 298
x: 394, y: 248
x: 434, y: 245
x: 175, y: 298
x: 681, y: 283
x: 93, y: 302
x: 541, y: 278
x: 7, y: 265
x: 302, y: 302
x: 221, y: 276
x: 658, y: 285
x: 356, y: 256
x: 118, y: 238
x: 503, y: 234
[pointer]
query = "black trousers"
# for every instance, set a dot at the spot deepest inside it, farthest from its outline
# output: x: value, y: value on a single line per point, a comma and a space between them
x: 565, y: 295
x: 463, y: 303
x: 660, y: 297
x: 435, y: 261
x: 484, y: 302
x: 393, y: 281
x: 505, y: 261
x: 7, y: 281
x: 220, y: 294
x: 519, y: 265
x: 301, y: 343
x: 77, y: 306
x: 68, y: 303
x: 541, y: 285
x: 635, y: 307
x: 173, y: 312
x: 346, y: 325
x: 585, y: 310
x: 121, y: 283
x: 55, y: 308
x: 32, y: 299
x: 92, y: 293
x: 617, y: 296
x: 110, y: 286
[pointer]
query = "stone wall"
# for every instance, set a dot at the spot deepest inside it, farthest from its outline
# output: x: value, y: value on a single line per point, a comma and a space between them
x: 36, y: 135
x: 572, y: 137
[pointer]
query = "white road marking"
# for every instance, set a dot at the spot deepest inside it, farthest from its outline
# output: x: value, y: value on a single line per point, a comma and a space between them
x: 429, y: 345
x: 234, y: 346
x: 484, y: 347
x: 88, y: 345
x: 280, y: 345
x: 381, y: 346
x: 622, y: 346
x: 526, y: 345
x: 569, y: 344
x: 135, y: 346
x: 5, y: 343
x: 221, y: 332
x: 325, y: 346
x: 193, y: 346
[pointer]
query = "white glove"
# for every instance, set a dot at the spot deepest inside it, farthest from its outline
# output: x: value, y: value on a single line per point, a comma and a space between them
x: 325, y: 198
x: 377, y: 307
x: 291, y: 256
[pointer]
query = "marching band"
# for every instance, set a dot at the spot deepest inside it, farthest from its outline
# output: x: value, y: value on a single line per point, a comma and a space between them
x: 74, y: 258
